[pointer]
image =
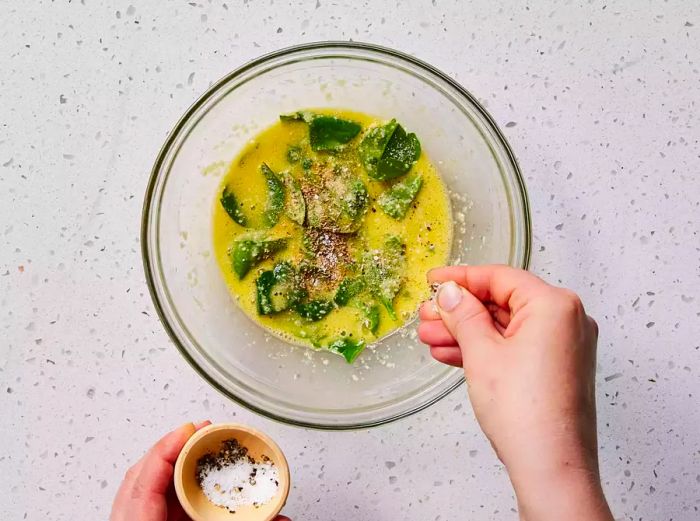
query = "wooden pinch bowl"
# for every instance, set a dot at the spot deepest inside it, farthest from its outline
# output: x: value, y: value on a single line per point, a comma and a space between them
x: 208, y: 440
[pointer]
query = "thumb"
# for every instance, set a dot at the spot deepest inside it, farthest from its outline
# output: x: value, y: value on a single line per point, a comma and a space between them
x: 156, y: 467
x: 465, y: 317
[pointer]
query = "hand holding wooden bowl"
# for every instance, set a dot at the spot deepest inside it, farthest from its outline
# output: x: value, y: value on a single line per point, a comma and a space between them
x: 209, y: 440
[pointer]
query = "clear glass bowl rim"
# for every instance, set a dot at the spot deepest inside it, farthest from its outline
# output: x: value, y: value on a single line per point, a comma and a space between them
x: 148, y: 210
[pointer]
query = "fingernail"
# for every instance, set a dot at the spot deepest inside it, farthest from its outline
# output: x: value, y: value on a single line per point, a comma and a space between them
x: 186, y: 427
x: 449, y: 295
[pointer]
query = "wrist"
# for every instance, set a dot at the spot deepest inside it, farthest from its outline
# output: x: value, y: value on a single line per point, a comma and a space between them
x: 570, y: 492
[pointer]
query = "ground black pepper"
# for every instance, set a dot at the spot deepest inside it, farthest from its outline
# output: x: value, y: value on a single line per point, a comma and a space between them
x: 230, y: 452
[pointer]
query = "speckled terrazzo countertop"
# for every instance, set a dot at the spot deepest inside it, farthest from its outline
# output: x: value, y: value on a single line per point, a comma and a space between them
x: 600, y: 103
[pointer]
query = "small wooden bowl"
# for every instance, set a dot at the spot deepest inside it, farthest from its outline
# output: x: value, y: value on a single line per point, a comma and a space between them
x: 208, y: 440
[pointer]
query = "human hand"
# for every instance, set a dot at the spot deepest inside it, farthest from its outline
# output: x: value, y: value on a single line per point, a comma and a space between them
x: 147, y: 492
x: 528, y: 352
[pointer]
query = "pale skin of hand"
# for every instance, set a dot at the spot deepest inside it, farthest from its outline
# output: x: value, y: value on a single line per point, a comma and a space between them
x: 528, y: 350
x: 147, y: 492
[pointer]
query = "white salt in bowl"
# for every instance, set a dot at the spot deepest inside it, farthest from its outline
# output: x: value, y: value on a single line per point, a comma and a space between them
x: 209, y: 440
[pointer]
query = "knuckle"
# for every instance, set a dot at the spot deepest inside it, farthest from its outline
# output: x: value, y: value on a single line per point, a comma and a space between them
x: 570, y: 301
x: 131, y: 474
x: 594, y: 326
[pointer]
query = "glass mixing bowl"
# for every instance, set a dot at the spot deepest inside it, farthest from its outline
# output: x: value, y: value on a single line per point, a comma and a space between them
x: 295, y: 384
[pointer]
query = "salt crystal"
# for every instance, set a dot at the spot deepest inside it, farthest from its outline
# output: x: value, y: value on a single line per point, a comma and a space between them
x: 239, y: 484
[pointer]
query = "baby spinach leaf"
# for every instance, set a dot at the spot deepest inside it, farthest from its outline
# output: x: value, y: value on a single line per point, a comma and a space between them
x: 399, y: 155
x: 354, y: 199
x: 388, y: 151
x: 276, y: 200
x: 329, y: 133
x: 350, y: 349
x: 233, y: 207
x: 294, y: 205
x: 373, y: 145
x: 278, y: 289
x: 293, y: 154
x: 371, y: 316
x: 300, y: 115
x: 275, y: 197
x: 349, y: 287
x: 326, y: 133
x: 384, y: 270
x: 314, y: 310
x: 307, y: 244
x: 251, y: 249
x: 396, y: 200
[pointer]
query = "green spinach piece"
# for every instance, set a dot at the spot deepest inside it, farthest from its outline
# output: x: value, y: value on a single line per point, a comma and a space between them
x: 384, y: 270
x: 251, y: 249
x: 299, y: 115
x: 354, y: 199
x: 314, y: 310
x: 293, y: 154
x: 294, y: 205
x: 328, y: 133
x: 399, y: 155
x: 370, y: 313
x: 349, y: 287
x: 348, y: 348
x: 278, y: 289
x: 388, y: 151
x: 273, y: 207
x: 396, y: 200
x: 373, y: 145
x: 307, y: 244
x: 275, y: 197
x: 233, y: 208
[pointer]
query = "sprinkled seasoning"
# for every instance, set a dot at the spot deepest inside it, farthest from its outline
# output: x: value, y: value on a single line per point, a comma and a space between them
x: 434, y: 286
x: 231, y: 478
x: 331, y: 259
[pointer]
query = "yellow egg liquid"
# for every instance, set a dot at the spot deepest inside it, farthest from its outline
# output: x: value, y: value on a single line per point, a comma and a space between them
x: 425, y: 230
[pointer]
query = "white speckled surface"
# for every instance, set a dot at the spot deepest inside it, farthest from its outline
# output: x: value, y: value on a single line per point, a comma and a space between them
x: 600, y: 103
